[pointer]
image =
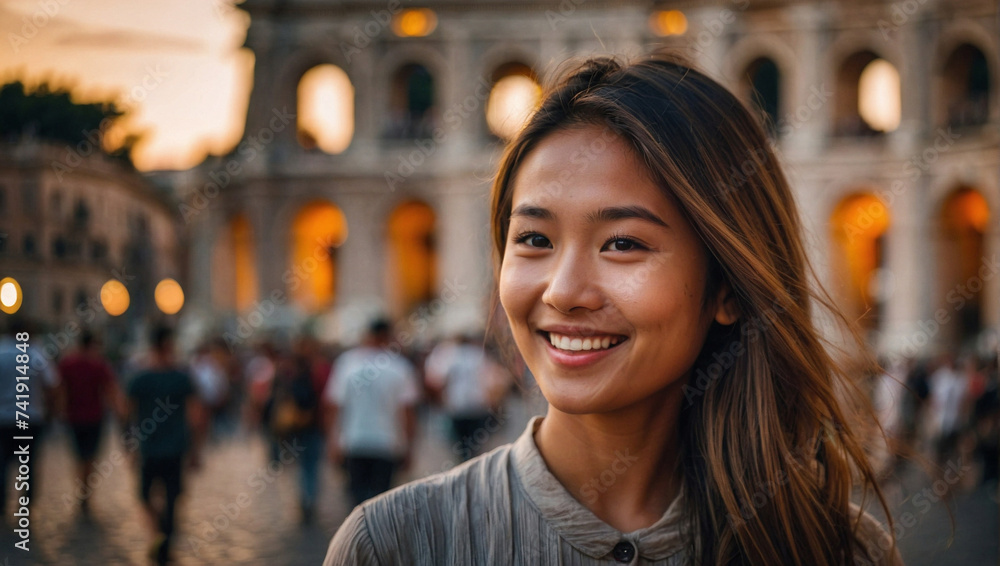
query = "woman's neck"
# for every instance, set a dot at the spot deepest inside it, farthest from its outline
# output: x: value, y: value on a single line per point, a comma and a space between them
x: 623, y: 466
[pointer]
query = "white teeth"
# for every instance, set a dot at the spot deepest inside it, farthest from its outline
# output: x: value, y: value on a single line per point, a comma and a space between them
x: 582, y: 344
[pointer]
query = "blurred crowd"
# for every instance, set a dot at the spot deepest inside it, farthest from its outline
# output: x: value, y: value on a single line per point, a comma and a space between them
x: 314, y: 403
x: 318, y: 404
x: 943, y: 410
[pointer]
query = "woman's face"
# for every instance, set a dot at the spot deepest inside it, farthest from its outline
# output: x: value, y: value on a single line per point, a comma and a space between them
x: 602, y: 278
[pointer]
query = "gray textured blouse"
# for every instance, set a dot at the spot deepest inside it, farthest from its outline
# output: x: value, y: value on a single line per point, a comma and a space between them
x: 505, y: 507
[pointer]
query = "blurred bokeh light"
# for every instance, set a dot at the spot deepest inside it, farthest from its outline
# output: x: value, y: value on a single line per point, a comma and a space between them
x: 668, y: 22
x: 10, y: 295
x: 416, y: 22
x: 114, y: 297
x: 169, y: 296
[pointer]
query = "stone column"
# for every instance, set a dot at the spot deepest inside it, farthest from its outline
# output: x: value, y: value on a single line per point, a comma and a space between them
x: 804, y: 120
x: 910, y: 280
x: 464, y: 280
x: 273, y: 307
x: 360, y: 266
x: 991, y: 271
x: 204, y: 232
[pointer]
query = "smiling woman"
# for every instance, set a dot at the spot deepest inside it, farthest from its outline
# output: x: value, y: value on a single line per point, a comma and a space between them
x: 695, y: 415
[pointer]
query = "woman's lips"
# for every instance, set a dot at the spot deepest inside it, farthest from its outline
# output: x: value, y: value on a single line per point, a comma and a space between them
x: 576, y: 356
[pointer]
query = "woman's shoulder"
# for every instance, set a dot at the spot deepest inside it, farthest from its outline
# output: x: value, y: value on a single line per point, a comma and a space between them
x: 874, y: 539
x: 475, y: 479
x: 403, y: 523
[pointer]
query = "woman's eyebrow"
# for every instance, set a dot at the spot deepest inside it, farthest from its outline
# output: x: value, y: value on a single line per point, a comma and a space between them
x: 623, y: 212
x: 532, y: 211
x: 608, y: 214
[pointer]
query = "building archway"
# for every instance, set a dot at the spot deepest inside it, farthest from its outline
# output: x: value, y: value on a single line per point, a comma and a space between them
x: 762, y: 83
x: 411, y: 269
x: 963, y: 221
x: 412, y: 103
x: 514, y: 96
x: 317, y: 230
x: 867, y: 96
x: 234, y: 266
x: 325, y: 102
x: 412, y: 256
x: 966, y: 87
x: 858, y: 227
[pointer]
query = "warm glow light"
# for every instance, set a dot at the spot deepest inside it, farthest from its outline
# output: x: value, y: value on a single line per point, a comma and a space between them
x: 411, y: 271
x: 512, y: 101
x: 967, y: 209
x: 965, y: 217
x: 10, y: 295
x: 668, y: 22
x: 114, y: 297
x: 878, y: 96
x: 857, y: 223
x: 318, y: 229
x: 234, y: 266
x: 416, y: 22
x: 326, y: 109
x: 169, y: 296
x: 245, y: 262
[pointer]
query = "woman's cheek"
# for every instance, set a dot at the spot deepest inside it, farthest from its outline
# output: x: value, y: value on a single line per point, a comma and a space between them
x: 514, y: 289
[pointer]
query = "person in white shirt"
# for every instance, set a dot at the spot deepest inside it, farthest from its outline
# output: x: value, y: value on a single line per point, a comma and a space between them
x: 948, y: 390
x: 370, y: 416
x: 469, y: 385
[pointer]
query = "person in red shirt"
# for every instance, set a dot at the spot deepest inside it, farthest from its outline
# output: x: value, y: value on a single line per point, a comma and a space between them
x: 88, y: 388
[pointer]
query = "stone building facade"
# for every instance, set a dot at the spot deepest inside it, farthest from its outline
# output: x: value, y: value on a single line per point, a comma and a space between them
x: 70, y: 221
x: 901, y: 215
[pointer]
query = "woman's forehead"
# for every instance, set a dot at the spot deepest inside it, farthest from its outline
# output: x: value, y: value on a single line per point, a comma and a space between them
x: 583, y: 165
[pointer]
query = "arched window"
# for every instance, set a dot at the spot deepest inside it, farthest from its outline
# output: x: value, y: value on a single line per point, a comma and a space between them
x: 868, y: 98
x: 763, y: 82
x: 966, y: 87
x: 858, y: 226
x: 965, y: 217
x: 317, y: 231
x: 513, y: 99
x: 325, y: 109
x: 412, y: 257
x: 411, y: 103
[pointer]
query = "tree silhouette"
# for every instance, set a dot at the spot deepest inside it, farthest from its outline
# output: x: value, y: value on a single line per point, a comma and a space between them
x: 51, y: 115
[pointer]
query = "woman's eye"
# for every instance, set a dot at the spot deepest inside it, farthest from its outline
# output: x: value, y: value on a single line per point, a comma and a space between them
x: 622, y: 245
x: 534, y: 240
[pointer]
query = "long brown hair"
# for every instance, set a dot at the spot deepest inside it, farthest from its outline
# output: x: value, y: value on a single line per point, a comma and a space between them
x: 770, y: 446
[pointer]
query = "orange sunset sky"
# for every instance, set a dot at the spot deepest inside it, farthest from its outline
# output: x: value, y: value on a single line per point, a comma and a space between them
x: 178, y: 66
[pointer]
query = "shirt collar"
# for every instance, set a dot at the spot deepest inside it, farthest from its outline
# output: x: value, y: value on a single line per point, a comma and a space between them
x: 576, y: 524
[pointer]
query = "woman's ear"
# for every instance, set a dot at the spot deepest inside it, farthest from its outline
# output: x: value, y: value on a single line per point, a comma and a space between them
x: 726, y: 311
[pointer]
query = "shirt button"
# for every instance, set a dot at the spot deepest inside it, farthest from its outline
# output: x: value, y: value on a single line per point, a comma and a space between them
x: 623, y: 552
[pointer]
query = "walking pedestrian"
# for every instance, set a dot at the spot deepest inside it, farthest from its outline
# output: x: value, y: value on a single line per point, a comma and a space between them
x: 371, y: 417
x: 470, y: 385
x: 88, y: 390
x: 165, y: 409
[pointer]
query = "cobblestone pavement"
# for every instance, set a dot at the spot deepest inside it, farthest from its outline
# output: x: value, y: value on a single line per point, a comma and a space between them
x: 237, y: 510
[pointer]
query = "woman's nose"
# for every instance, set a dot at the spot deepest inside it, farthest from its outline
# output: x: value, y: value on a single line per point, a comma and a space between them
x: 573, y: 282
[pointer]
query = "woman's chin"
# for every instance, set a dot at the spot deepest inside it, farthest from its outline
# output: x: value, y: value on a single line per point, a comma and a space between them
x: 576, y: 398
